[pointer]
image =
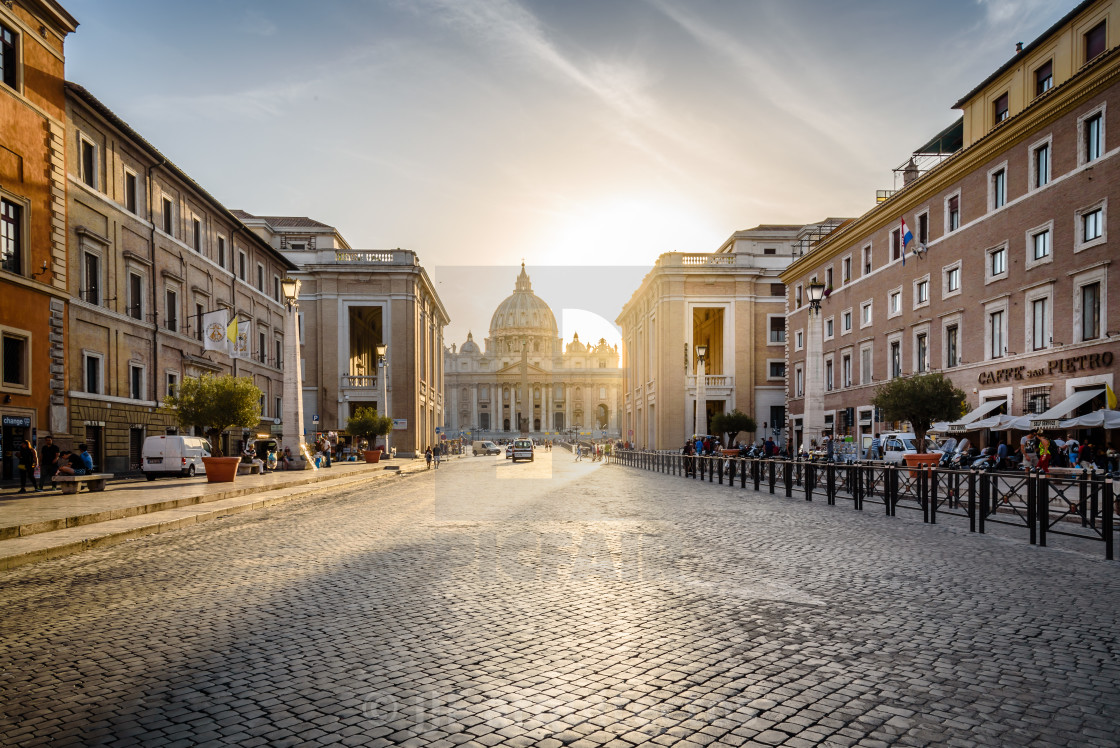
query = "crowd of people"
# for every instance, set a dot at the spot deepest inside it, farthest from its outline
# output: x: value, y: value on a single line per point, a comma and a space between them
x: 39, y: 467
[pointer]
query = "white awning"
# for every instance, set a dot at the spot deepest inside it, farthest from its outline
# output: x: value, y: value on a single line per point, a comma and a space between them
x: 1051, y: 418
x: 967, y: 423
x: 1108, y: 419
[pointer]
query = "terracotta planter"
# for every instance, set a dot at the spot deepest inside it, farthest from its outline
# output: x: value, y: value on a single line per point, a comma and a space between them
x: 372, y: 455
x: 730, y: 452
x: 920, y: 461
x: 221, y: 469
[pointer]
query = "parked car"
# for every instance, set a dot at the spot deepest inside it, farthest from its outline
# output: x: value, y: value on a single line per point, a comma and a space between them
x: 509, y: 451
x: 174, y: 455
x: 522, y: 449
x: 897, y: 444
x: 481, y: 448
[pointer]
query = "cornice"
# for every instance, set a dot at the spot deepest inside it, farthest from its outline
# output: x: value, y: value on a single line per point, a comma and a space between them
x: 1048, y: 109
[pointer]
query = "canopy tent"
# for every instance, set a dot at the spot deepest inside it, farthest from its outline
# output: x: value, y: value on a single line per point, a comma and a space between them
x: 1109, y: 419
x: 939, y: 427
x: 998, y: 423
x: 1051, y: 418
x: 969, y: 421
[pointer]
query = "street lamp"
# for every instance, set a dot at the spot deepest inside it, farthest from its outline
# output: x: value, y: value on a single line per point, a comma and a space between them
x: 700, y: 424
x: 382, y: 350
x: 292, y: 416
x: 816, y: 293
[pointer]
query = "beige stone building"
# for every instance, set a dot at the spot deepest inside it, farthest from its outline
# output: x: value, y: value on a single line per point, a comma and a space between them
x: 150, y: 252
x: 731, y: 301
x: 351, y: 301
x: 573, y: 388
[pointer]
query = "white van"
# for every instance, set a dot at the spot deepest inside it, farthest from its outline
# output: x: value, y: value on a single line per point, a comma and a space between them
x: 485, y: 448
x: 174, y: 455
x: 896, y: 444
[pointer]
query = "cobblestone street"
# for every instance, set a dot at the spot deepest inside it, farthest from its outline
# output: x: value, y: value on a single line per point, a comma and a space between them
x: 561, y: 603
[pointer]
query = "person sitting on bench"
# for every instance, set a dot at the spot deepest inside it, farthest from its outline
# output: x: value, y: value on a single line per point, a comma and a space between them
x: 71, y: 464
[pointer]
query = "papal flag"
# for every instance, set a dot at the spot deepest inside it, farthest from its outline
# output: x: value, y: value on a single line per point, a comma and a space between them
x: 214, y: 326
x: 1110, y: 397
x: 241, y: 342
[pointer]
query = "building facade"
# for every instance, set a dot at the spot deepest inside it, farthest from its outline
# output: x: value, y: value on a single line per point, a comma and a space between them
x: 150, y: 252
x: 352, y: 301
x: 33, y: 263
x: 524, y: 379
x: 1010, y: 292
x: 733, y: 302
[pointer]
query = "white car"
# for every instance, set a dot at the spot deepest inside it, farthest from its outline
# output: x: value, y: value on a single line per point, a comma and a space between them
x: 522, y: 450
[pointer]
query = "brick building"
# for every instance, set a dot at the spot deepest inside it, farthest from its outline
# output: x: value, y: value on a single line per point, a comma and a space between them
x: 1008, y: 292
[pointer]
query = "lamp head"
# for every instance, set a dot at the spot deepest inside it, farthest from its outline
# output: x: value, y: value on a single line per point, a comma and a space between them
x: 381, y: 349
x: 701, y: 352
x: 289, y: 287
x: 815, y: 291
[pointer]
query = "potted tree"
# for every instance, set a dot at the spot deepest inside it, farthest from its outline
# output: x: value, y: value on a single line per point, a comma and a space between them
x: 215, y: 404
x: 366, y: 424
x: 732, y: 424
x: 921, y: 400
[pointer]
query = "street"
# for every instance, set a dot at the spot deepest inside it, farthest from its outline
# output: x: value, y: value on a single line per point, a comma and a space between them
x: 561, y: 603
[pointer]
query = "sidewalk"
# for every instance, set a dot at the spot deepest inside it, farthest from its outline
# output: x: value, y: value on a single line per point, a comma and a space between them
x: 38, y: 526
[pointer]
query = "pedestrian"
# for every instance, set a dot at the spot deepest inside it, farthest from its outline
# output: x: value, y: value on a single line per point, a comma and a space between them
x: 828, y: 449
x: 1029, y: 445
x: 428, y: 457
x: 771, y: 447
x: 437, y: 452
x: 1001, y: 455
x: 1070, y: 450
x: 1044, y: 453
x: 28, y: 466
x: 71, y: 463
x: 48, y: 465
x: 874, y: 450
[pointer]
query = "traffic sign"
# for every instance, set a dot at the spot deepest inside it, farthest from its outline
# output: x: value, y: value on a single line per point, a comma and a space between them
x: 315, y: 418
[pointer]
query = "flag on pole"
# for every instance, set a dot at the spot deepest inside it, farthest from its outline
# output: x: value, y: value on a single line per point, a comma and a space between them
x: 1110, y: 397
x: 214, y: 326
x: 241, y: 341
x: 907, y: 237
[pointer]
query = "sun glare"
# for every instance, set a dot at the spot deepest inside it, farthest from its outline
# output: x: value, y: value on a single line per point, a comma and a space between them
x: 590, y: 326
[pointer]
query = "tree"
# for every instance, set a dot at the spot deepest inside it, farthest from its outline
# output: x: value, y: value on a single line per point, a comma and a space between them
x: 921, y: 400
x: 215, y: 404
x: 366, y: 424
x: 733, y: 423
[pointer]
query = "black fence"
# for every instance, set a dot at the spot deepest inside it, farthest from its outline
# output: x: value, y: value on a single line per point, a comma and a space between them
x: 1079, y: 505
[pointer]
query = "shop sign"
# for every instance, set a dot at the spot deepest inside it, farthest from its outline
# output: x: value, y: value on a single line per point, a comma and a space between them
x: 18, y: 421
x: 1087, y: 362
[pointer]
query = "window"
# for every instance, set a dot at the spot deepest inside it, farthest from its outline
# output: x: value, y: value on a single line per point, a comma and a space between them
x: 9, y: 41
x: 1094, y: 136
x: 1039, y: 327
x: 1091, y: 311
x: 952, y: 355
x: 865, y: 376
x: 894, y: 305
x: 279, y: 412
x: 828, y: 375
x: 130, y: 196
x: 828, y: 278
x: 1095, y: 41
x: 276, y: 292
x: 242, y: 265
x: 798, y: 381
x: 921, y: 352
x: 867, y: 259
x: 135, y: 308
x: 921, y: 292
x: 846, y: 270
x: 197, y: 234
x: 221, y: 251
x: 1000, y: 110
x: 797, y: 297
x: 799, y: 340
x: 997, y: 262
x: 865, y: 314
x: 1040, y: 245
x: 923, y: 228
x: 1044, y: 78
x: 260, y: 277
x: 16, y: 352
x: 896, y: 359
x: 172, y: 382
x: 171, y: 310
x: 1092, y: 225
x: 996, y: 348
x: 770, y: 250
x: 999, y: 188
x: 829, y: 330
x: 168, y: 219
x: 777, y: 370
x: 1042, y: 165
x: 777, y: 330
x: 88, y: 155
x: 952, y: 280
x: 92, y: 366
x: 136, y: 382
x: 953, y: 213
x: 846, y: 370
x: 846, y: 321
x: 278, y: 346
x: 896, y: 244
x: 91, y: 278
x: 262, y: 347
x: 11, y: 236
x: 199, y: 310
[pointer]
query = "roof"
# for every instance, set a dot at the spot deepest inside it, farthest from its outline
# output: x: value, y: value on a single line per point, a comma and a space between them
x: 79, y: 92
x: 284, y: 222
x: 949, y: 140
x: 1045, y: 36
x: 775, y: 227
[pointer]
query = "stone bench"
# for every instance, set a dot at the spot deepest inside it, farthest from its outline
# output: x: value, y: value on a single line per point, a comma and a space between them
x: 73, y: 483
x: 250, y: 468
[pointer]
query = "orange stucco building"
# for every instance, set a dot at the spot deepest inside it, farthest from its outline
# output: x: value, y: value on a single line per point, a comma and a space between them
x: 32, y: 221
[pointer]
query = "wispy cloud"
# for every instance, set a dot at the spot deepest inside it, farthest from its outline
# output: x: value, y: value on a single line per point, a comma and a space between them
x: 257, y: 24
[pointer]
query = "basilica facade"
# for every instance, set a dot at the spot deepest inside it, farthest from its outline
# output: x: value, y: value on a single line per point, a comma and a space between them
x: 524, y: 379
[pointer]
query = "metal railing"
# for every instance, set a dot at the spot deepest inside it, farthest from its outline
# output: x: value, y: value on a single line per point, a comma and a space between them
x: 364, y: 381
x: 1079, y: 506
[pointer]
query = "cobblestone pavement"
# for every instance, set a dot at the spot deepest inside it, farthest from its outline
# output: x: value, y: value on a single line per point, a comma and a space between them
x: 558, y: 603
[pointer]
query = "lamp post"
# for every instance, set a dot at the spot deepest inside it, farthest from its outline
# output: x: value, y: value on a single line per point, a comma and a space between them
x: 700, y: 424
x: 383, y: 376
x: 814, y: 363
x: 292, y: 416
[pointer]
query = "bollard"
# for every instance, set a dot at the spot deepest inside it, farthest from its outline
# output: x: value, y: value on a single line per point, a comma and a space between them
x: 756, y: 470
x: 1032, y: 507
x: 742, y: 472
x: 787, y: 476
x: 771, y: 470
x: 830, y: 484
x: 1106, y: 519
x: 719, y: 468
x: 1043, y: 511
x: 985, y: 498
x: 711, y: 468
x: 809, y: 482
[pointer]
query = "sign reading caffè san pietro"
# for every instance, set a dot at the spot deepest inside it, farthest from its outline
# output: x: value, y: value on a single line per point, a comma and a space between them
x: 1087, y: 362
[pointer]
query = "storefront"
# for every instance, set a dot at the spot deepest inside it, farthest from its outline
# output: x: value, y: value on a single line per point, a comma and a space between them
x: 16, y: 427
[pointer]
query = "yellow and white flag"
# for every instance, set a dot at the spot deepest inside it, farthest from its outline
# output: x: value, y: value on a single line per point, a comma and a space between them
x: 1110, y: 398
x: 214, y: 326
x: 240, y: 345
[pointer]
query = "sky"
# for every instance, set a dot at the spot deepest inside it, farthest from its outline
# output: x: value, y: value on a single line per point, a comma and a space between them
x: 582, y: 133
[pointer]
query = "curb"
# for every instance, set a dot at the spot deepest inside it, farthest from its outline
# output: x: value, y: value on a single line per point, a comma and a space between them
x: 121, y: 529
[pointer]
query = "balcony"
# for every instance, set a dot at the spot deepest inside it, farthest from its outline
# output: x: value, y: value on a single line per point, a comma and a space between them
x: 359, y: 381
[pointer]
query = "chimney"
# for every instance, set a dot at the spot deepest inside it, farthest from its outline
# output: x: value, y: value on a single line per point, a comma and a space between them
x: 910, y: 172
